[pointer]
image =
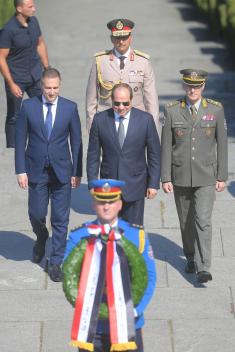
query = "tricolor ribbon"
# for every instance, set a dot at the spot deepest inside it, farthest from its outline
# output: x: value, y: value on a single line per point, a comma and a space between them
x: 104, y: 261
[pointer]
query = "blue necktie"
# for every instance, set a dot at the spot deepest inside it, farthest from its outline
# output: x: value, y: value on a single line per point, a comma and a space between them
x: 121, y: 131
x: 48, y: 121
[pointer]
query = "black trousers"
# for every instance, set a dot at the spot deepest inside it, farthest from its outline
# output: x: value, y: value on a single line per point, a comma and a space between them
x: 13, y: 107
x: 133, y: 212
x: 102, y: 343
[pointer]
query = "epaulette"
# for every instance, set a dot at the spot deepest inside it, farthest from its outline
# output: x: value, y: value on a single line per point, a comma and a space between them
x: 137, y: 226
x: 214, y: 102
x: 172, y: 103
x: 78, y: 227
x: 140, y: 53
x: 101, y: 53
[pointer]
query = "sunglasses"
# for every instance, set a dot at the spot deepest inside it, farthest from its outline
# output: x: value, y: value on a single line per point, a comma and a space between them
x: 118, y: 103
x: 123, y: 37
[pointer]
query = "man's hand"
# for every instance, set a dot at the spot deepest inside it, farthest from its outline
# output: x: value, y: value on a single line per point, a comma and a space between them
x: 151, y: 193
x: 220, y: 186
x: 167, y: 187
x: 16, y: 91
x: 75, y: 181
x: 22, y: 181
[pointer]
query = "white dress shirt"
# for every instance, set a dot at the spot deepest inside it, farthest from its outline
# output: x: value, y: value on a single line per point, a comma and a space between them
x: 117, y: 55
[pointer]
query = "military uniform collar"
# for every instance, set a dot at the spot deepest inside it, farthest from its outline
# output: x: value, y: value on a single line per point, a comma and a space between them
x: 197, y: 104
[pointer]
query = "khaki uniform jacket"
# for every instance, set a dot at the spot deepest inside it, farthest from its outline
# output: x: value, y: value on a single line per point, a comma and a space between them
x: 194, y: 153
x: 138, y: 73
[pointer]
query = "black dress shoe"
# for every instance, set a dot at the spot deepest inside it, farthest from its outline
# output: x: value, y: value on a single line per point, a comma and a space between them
x: 204, y: 276
x: 55, y: 272
x: 38, y: 251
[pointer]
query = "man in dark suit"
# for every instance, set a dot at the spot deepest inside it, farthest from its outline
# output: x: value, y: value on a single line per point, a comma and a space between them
x: 47, y: 129
x: 127, y: 139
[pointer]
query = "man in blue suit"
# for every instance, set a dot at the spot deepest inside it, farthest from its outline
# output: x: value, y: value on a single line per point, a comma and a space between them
x: 47, y: 129
x: 127, y: 139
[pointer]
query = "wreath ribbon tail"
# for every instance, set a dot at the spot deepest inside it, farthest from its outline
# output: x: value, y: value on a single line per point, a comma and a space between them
x: 120, y: 305
x: 124, y: 346
x: 90, y: 291
x: 83, y: 345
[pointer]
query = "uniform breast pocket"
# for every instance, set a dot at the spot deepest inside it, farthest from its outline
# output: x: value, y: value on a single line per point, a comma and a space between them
x: 208, y: 127
x: 180, y: 129
x: 136, y: 79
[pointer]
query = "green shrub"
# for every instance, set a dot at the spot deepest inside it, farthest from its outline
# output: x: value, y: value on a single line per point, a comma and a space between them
x: 6, y: 11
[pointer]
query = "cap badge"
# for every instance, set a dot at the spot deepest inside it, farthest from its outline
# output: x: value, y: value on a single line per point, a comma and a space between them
x: 106, y: 187
x: 193, y: 75
x: 119, y: 25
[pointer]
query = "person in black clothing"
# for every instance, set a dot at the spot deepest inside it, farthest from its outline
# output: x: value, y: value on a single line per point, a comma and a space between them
x: 23, y: 54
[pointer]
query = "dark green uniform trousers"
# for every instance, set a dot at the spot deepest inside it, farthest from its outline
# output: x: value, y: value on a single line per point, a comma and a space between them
x: 194, y: 206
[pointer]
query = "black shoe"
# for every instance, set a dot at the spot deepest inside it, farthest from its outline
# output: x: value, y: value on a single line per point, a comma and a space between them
x: 38, y: 251
x: 190, y: 267
x: 55, y: 272
x: 204, y: 276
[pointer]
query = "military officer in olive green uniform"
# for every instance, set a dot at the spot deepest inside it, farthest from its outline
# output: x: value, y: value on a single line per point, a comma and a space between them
x: 121, y: 64
x: 194, y: 165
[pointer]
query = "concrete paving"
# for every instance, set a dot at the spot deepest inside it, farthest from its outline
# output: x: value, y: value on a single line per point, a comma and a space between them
x: 183, y: 315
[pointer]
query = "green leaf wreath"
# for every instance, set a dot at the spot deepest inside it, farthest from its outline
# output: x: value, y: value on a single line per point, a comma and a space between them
x: 73, y: 265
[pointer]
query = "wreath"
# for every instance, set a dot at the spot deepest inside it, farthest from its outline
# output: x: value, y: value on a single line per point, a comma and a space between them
x: 73, y: 265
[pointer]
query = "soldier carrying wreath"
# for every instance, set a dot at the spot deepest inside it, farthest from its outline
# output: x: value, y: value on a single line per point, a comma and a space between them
x: 109, y: 276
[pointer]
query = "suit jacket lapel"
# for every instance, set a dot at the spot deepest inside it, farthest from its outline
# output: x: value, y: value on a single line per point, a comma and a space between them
x: 131, y: 129
x: 112, y: 128
x: 114, y: 64
x: 40, y: 114
x: 58, y: 118
x: 184, y: 111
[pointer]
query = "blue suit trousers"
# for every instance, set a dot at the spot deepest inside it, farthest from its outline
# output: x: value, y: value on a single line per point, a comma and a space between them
x: 49, y: 188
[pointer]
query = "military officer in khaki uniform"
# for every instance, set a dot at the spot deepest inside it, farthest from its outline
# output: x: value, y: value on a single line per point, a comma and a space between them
x: 194, y: 165
x: 121, y: 64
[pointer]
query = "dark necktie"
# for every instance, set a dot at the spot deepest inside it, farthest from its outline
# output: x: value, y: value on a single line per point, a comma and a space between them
x: 122, y: 64
x: 121, y: 131
x: 48, y: 121
x: 193, y: 112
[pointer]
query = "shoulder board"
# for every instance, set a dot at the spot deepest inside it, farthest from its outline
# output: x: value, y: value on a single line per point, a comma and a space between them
x: 172, y: 103
x: 214, y: 102
x: 78, y: 227
x: 137, y: 226
x: 101, y: 53
x: 140, y: 53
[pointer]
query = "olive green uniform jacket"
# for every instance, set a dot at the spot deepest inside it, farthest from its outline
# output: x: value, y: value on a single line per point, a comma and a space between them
x: 194, y: 153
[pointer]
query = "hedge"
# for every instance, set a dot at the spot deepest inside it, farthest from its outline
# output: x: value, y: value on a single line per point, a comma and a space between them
x: 221, y: 17
x: 6, y: 11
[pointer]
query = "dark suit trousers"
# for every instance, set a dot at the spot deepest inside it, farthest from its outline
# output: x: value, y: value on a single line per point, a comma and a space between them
x: 133, y: 212
x: 102, y: 343
x: 49, y: 188
x: 13, y: 107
